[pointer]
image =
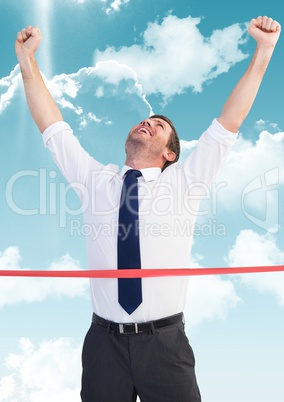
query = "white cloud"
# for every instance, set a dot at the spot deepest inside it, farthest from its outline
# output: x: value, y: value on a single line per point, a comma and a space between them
x: 16, y: 290
x: 250, y: 179
x: 115, y: 5
x: 48, y: 372
x: 249, y: 160
x: 266, y: 125
x: 253, y: 249
x: 66, y: 104
x: 208, y: 298
x: 7, y: 387
x: 113, y: 73
x: 253, y: 176
x: 99, y: 92
x: 82, y: 91
x: 8, y: 87
x: 87, y: 118
x: 64, y: 84
x: 186, y: 147
x: 110, y: 6
x: 175, y: 55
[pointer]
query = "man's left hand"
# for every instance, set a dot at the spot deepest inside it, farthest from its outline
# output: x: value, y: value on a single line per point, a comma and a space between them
x: 265, y: 31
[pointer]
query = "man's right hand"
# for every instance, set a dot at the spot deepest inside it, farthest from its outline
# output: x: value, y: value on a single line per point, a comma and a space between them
x: 28, y: 40
x: 42, y: 106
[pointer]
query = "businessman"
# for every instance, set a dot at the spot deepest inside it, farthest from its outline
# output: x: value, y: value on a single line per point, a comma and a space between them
x: 136, y: 344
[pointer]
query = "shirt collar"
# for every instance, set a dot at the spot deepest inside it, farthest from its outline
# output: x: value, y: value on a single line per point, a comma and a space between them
x: 149, y: 174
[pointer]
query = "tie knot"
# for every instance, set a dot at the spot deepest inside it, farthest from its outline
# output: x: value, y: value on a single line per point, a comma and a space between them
x: 133, y: 172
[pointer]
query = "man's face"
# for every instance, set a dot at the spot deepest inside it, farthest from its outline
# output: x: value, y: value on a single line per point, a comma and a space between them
x: 154, y: 132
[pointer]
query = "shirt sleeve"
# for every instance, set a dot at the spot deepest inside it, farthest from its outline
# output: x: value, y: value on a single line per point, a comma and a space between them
x: 70, y: 157
x: 212, y: 149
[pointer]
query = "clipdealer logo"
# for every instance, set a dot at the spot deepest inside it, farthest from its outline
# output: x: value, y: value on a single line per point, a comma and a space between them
x: 52, y: 197
x: 49, y: 197
x: 176, y: 228
x: 264, y: 187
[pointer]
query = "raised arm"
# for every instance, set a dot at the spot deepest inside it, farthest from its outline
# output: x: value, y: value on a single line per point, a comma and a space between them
x: 266, y: 32
x: 42, y: 106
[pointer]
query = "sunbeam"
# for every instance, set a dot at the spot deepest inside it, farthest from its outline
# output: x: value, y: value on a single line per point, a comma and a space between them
x: 43, y: 10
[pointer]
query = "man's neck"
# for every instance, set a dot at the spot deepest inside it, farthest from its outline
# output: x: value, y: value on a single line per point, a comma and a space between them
x: 141, y: 164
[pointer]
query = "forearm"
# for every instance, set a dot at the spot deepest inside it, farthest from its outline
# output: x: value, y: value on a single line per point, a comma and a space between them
x: 41, y: 104
x: 242, y: 97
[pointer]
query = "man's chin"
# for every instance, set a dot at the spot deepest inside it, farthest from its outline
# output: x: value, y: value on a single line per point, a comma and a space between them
x: 136, y: 139
x: 136, y: 145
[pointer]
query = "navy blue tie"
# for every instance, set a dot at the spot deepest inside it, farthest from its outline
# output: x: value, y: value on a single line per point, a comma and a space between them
x: 128, y: 251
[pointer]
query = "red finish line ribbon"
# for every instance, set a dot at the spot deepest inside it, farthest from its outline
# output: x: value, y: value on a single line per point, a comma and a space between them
x: 141, y: 273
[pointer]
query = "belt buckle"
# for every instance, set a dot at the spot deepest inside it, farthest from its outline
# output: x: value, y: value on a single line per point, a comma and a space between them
x: 122, y: 327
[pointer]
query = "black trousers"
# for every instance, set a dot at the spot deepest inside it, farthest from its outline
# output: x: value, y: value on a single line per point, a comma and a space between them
x: 158, y: 366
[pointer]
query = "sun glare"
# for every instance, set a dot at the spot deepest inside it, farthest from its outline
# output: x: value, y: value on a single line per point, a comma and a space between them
x: 43, y: 10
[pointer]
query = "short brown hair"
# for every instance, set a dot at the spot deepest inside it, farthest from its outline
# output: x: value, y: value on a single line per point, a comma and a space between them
x: 173, y: 143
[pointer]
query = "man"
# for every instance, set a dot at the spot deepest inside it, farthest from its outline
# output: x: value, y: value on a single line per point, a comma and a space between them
x: 136, y: 344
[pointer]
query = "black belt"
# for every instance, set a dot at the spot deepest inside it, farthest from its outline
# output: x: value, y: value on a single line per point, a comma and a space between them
x: 137, y: 328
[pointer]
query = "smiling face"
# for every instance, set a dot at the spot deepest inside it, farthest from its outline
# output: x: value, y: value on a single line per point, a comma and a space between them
x: 147, y: 143
x: 153, y: 127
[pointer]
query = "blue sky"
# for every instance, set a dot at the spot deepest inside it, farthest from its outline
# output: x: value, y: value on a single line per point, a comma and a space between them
x: 109, y: 64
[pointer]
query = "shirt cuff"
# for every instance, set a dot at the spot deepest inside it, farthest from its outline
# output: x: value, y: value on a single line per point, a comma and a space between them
x: 223, y: 135
x: 54, y: 129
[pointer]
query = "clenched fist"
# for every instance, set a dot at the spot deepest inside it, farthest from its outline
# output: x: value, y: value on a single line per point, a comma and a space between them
x: 28, y: 40
x: 265, y: 31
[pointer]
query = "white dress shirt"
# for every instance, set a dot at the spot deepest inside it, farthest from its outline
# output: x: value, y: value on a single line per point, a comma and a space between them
x: 168, y: 205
